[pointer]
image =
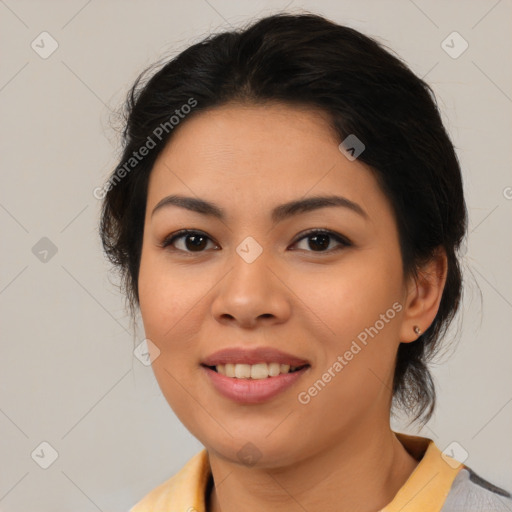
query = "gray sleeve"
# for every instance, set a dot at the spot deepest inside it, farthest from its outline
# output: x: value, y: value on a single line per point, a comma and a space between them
x: 471, y: 493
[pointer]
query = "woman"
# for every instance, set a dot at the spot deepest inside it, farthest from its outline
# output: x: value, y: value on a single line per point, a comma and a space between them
x: 287, y: 216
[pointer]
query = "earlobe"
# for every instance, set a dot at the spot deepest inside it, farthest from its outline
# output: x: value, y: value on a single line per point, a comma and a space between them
x: 425, y: 291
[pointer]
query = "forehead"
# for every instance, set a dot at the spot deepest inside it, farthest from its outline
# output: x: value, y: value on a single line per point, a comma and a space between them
x: 259, y: 155
x: 238, y: 131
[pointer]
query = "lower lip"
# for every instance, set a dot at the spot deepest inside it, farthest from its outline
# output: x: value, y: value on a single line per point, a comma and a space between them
x: 252, y: 391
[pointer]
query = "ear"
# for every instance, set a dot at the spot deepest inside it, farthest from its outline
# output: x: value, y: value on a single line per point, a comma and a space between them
x: 424, y: 293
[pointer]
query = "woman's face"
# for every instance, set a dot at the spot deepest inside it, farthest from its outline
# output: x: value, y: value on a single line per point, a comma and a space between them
x: 254, y: 280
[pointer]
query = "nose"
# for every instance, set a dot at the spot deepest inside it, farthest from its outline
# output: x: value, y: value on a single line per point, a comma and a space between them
x: 253, y: 292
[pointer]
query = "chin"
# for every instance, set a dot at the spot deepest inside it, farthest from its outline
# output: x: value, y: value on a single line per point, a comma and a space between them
x: 255, y: 451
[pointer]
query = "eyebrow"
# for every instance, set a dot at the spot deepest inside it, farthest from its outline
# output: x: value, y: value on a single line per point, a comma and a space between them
x: 279, y: 213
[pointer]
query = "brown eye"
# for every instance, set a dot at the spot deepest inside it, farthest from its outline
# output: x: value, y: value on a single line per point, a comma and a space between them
x: 193, y: 241
x: 320, y: 240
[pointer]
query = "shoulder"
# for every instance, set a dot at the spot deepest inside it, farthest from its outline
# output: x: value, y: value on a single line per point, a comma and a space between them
x: 471, y: 493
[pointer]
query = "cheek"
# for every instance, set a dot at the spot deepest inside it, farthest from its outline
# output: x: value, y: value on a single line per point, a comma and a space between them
x: 168, y: 299
x: 353, y: 295
x: 168, y: 305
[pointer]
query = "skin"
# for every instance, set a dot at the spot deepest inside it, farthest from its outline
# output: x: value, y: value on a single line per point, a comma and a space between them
x: 337, y: 452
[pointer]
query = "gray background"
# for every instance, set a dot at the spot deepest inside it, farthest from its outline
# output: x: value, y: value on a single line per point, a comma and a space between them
x: 68, y: 373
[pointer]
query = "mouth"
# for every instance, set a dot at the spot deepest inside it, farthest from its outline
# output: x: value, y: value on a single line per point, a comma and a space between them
x: 253, y: 376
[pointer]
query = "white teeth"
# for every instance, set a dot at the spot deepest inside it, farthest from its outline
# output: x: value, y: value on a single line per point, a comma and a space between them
x: 254, y: 371
x: 274, y: 369
x: 259, y: 371
x: 242, y: 371
x: 230, y: 369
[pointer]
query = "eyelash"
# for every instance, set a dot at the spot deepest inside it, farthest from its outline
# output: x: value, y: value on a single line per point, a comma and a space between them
x: 343, y: 241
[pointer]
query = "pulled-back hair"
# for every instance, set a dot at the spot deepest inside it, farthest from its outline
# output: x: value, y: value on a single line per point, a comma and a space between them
x: 307, y: 60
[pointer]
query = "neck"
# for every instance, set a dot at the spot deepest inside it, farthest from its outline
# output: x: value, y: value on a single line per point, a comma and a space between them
x: 361, y: 473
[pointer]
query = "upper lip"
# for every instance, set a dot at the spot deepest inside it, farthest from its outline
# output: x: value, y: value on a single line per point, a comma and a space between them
x: 237, y: 355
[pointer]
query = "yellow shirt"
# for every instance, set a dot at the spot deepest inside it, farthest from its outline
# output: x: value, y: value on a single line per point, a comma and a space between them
x: 426, y: 489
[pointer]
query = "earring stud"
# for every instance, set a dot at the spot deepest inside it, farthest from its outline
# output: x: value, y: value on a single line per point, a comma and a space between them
x: 417, y: 330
